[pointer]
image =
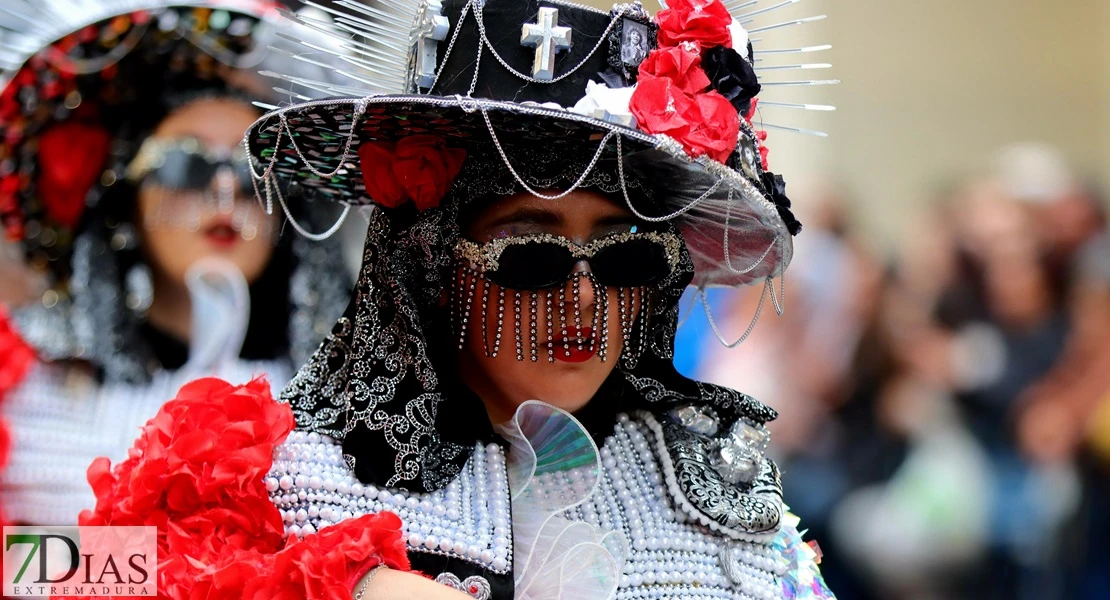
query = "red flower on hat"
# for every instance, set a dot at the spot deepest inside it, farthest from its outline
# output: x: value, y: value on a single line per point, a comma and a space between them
x: 71, y: 158
x: 680, y: 64
x: 420, y: 168
x: 704, y: 22
x: 11, y: 214
x: 705, y: 124
x: 660, y: 106
x: 716, y: 127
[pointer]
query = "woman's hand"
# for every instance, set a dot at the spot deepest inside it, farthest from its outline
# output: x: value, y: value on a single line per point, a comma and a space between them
x: 387, y: 584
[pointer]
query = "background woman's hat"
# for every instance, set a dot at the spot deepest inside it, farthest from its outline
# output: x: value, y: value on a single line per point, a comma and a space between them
x: 83, y: 83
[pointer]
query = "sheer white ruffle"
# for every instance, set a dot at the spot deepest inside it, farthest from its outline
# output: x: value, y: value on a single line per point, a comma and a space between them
x: 554, y: 466
x: 221, y: 310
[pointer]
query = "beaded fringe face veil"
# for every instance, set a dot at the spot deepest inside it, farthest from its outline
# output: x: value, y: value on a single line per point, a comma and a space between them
x: 531, y: 312
x: 552, y: 320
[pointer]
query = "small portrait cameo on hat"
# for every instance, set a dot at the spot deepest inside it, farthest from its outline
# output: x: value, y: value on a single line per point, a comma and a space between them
x: 634, y: 43
x: 631, y: 39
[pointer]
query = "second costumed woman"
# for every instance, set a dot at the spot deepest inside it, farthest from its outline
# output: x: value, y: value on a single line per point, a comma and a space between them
x: 123, y: 179
x: 497, y: 409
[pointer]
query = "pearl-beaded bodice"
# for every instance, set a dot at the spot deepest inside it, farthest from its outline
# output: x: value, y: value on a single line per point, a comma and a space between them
x: 669, y: 556
x: 313, y: 487
x: 61, y: 420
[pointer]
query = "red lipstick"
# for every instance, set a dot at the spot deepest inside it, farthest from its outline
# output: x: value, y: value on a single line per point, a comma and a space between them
x: 221, y: 234
x: 576, y: 346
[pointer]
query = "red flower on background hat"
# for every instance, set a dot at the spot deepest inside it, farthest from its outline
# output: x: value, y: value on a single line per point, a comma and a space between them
x: 418, y: 168
x: 704, y: 22
x: 71, y: 158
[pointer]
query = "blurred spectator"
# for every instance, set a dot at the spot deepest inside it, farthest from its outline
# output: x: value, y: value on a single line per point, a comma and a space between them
x: 945, y: 421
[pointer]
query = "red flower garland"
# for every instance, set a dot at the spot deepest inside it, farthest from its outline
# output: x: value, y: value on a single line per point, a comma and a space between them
x: 16, y: 359
x: 671, y: 96
x: 197, y: 471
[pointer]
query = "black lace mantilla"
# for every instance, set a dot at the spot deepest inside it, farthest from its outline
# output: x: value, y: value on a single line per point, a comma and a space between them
x: 377, y: 383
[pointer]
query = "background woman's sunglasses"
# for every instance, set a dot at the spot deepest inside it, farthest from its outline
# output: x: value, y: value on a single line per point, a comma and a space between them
x: 542, y: 261
x: 187, y: 164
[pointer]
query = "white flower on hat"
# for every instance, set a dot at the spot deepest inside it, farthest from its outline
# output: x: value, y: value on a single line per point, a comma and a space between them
x: 739, y: 38
x: 610, y: 105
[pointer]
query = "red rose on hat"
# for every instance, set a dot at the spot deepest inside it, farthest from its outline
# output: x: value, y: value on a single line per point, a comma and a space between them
x: 679, y: 64
x: 704, y: 22
x: 716, y: 127
x: 660, y: 106
x: 705, y: 124
x: 420, y: 168
x: 71, y: 158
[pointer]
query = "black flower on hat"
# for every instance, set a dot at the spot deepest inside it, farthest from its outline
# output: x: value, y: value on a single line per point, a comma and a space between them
x: 731, y: 75
x: 775, y: 187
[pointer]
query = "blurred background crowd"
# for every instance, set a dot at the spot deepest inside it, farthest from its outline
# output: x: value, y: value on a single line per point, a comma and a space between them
x: 942, y: 368
x: 944, y: 423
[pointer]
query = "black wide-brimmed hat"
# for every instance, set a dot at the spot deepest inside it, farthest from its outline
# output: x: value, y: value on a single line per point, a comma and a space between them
x: 665, y: 100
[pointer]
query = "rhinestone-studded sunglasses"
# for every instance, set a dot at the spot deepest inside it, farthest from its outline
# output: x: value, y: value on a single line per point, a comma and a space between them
x: 542, y: 261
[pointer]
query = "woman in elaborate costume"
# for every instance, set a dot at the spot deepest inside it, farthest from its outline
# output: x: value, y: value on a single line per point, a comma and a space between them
x: 497, y: 409
x: 122, y: 175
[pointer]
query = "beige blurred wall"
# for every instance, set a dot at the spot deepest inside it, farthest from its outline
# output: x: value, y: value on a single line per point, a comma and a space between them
x: 930, y: 88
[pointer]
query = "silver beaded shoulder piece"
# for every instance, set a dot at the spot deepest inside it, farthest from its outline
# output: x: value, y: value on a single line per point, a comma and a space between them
x: 469, y: 520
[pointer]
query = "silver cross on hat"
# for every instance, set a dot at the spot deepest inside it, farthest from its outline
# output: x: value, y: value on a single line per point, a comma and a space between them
x: 431, y: 29
x: 547, y: 38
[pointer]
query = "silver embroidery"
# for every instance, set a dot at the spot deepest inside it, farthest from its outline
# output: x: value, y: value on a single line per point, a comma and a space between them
x: 475, y: 586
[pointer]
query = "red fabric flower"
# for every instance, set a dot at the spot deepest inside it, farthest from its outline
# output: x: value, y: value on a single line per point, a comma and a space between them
x: 420, y: 168
x: 329, y: 564
x: 764, y: 151
x: 704, y: 22
x: 716, y: 127
x: 71, y: 159
x: 660, y: 106
x: 16, y: 357
x: 748, y: 116
x: 681, y: 65
x: 196, y: 472
x: 5, y: 448
x: 705, y: 124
